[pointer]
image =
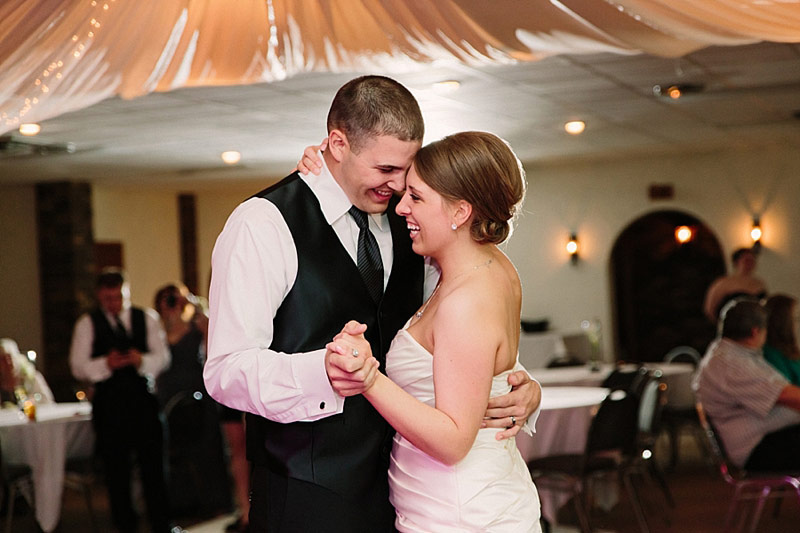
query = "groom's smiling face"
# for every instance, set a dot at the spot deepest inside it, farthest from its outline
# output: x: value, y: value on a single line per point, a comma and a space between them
x: 376, y: 171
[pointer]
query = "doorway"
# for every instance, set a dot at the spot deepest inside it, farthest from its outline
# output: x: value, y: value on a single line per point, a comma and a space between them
x: 659, y: 284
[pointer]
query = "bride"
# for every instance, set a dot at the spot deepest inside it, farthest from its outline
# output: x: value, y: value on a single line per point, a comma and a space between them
x: 447, y: 473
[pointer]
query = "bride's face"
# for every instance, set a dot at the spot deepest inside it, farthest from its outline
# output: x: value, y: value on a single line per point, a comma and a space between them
x: 427, y: 215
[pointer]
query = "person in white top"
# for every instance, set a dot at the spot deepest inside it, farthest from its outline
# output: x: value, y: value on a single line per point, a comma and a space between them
x: 447, y: 474
x: 120, y: 349
x: 18, y: 376
x: 286, y: 277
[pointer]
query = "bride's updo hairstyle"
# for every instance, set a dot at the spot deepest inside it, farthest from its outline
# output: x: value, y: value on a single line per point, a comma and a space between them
x: 480, y: 168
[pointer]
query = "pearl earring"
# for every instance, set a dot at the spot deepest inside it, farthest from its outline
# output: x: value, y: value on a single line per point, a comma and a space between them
x: 453, y: 226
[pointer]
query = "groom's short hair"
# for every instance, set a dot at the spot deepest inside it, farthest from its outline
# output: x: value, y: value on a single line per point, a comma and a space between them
x: 369, y: 106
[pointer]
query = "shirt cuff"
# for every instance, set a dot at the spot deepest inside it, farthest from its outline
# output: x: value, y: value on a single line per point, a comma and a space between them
x: 320, y: 400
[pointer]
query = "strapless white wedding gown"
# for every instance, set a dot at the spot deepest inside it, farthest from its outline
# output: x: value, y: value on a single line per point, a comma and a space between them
x: 489, y: 490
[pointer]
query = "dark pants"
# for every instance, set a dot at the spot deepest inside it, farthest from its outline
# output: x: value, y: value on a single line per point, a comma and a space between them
x: 128, y: 431
x: 285, y: 505
x: 777, y: 451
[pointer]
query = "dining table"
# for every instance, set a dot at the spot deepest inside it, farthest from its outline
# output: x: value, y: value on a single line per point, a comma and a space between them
x: 676, y: 376
x: 59, y: 431
x: 562, y: 428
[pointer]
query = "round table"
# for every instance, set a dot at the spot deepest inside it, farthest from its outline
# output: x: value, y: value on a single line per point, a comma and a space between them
x: 562, y: 428
x: 61, y: 430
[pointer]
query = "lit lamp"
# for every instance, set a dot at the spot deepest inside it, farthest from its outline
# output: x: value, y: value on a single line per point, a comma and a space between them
x: 756, y: 233
x: 572, y: 248
x: 683, y: 234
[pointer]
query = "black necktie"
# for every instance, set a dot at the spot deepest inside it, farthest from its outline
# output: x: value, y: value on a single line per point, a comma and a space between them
x: 119, y: 330
x: 369, y: 255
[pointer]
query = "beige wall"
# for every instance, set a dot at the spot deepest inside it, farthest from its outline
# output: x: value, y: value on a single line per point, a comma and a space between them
x: 596, y: 199
x: 20, y: 313
x: 600, y: 199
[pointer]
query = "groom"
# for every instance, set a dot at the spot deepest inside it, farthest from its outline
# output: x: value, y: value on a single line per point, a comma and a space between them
x: 288, y: 273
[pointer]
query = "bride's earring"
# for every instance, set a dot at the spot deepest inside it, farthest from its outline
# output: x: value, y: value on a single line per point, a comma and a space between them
x: 453, y: 226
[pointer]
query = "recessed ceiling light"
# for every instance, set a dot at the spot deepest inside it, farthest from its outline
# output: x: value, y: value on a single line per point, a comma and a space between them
x: 676, y: 90
x: 30, y: 129
x: 231, y: 157
x: 575, y: 127
x: 446, y: 86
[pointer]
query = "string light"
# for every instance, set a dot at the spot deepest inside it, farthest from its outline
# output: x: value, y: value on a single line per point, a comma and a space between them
x: 54, y: 70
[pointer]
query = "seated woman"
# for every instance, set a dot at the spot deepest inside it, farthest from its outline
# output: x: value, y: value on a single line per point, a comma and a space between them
x: 18, y: 375
x: 781, y: 349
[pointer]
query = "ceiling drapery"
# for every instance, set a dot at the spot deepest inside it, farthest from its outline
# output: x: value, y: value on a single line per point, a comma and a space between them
x: 62, y: 55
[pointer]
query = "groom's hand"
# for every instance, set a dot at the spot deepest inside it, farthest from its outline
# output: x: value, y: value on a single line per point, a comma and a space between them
x: 511, y: 410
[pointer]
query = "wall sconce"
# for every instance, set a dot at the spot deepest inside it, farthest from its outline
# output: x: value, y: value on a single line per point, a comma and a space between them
x: 683, y: 234
x: 756, y: 233
x: 572, y: 248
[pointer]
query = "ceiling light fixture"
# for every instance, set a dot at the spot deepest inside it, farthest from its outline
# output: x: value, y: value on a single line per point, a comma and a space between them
x: 575, y: 127
x: 677, y: 90
x: 231, y: 157
x: 30, y: 129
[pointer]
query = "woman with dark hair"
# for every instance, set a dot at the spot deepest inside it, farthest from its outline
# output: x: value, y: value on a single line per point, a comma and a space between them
x: 198, y: 480
x: 781, y: 350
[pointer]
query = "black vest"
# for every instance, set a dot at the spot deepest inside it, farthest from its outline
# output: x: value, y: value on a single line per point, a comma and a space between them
x: 347, y: 453
x: 105, y: 340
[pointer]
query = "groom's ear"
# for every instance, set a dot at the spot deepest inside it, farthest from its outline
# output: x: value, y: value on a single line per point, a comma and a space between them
x: 338, y: 144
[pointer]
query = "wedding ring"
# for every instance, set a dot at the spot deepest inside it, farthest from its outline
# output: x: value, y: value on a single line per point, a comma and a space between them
x: 355, y: 352
x: 513, y: 421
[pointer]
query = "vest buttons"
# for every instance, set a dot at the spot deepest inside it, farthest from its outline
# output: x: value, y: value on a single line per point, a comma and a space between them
x: 322, y: 405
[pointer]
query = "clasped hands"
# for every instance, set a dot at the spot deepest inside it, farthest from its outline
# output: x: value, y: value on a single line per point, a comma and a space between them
x: 117, y: 359
x: 349, y: 362
x: 353, y: 370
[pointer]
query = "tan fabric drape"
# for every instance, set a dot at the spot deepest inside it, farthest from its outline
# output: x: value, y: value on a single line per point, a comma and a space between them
x: 62, y: 55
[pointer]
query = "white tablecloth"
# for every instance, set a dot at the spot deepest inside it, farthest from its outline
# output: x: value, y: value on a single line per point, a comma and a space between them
x: 61, y: 430
x: 562, y: 428
x: 538, y: 349
x: 677, y: 376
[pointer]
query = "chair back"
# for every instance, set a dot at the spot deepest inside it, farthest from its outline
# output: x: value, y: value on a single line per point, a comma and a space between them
x: 644, y: 404
x: 683, y: 354
x: 615, y: 426
x: 628, y: 380
x: 715, y: 446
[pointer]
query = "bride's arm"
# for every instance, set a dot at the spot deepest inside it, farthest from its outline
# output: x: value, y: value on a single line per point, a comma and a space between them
x: 463, y: 364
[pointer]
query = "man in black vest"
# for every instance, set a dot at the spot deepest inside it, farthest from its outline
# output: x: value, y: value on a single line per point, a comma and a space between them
x: 293, y: 264
x: 120, y: 349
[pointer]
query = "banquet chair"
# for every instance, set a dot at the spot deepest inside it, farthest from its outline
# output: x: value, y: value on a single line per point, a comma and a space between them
x: 16, y: 480
x: 646, y: 385
x: 677, y: 418
x: 610, y: 442
x: 747, y: 485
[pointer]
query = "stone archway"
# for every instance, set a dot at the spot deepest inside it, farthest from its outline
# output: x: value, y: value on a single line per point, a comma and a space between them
x: 659, y: 285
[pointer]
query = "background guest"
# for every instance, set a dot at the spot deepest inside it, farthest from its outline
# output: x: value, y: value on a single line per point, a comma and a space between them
x: 755, y: 410
x: 18, y: 372
x: 741, y: 282
x: 198, y: 483
x: 781, y: 349
x: 120, y: 349
x: 186, y: 327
